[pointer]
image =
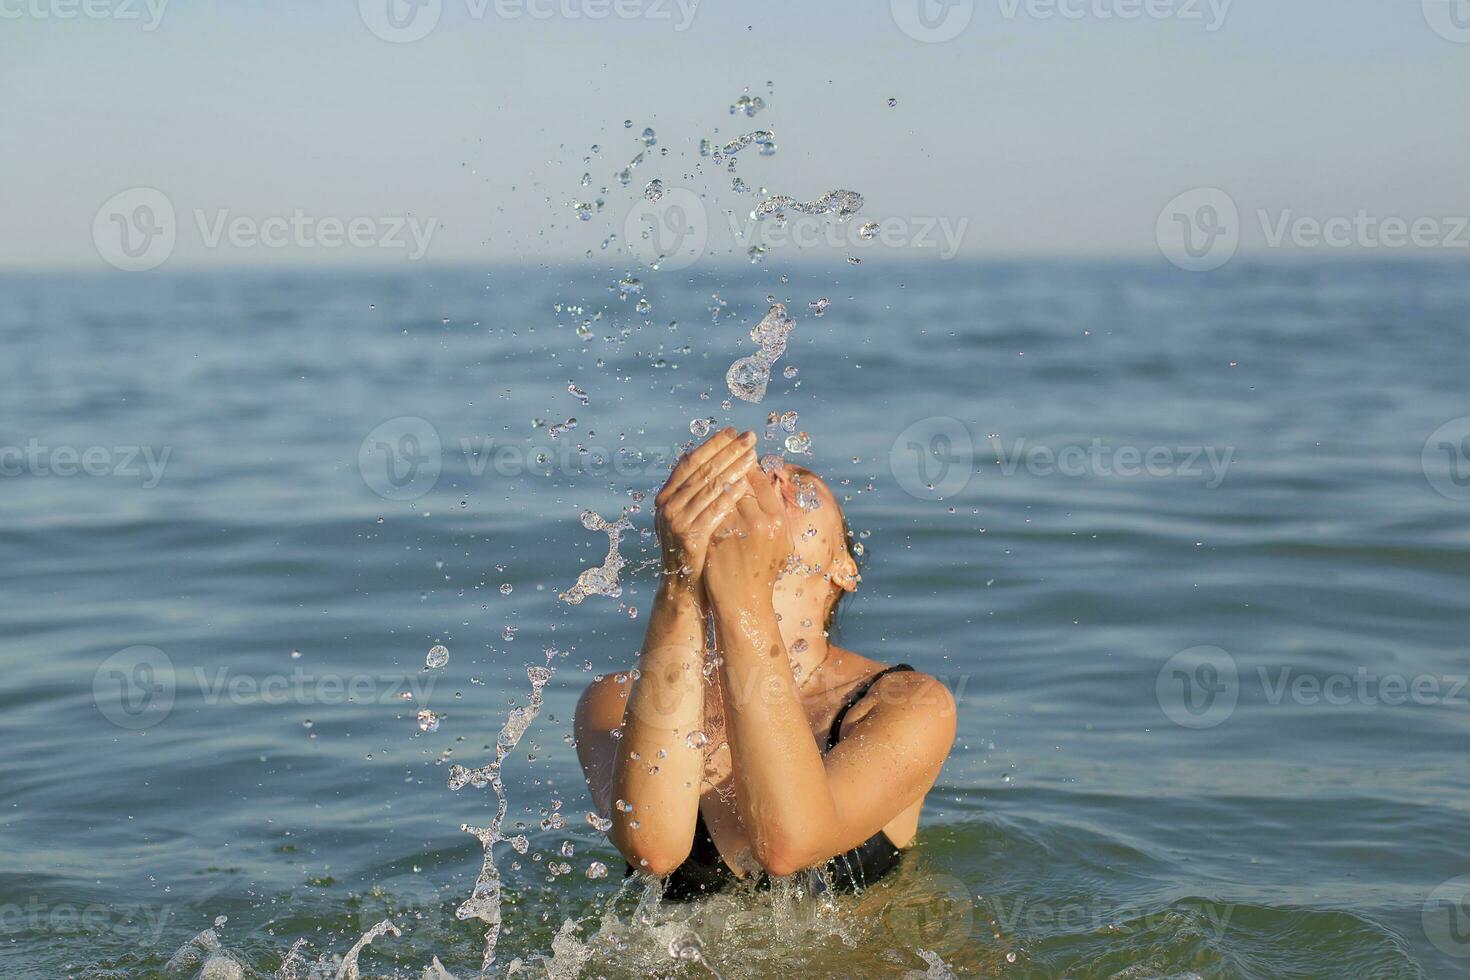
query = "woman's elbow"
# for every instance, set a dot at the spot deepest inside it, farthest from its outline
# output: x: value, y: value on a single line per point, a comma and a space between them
x: 651, y: 857
x: 661, y: 865
x: 786, y: 857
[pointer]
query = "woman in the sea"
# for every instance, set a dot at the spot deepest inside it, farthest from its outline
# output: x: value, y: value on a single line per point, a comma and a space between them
x: 771, y: 750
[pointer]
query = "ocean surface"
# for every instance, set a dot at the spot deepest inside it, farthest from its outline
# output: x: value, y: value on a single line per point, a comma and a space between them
x: 1192, y: 552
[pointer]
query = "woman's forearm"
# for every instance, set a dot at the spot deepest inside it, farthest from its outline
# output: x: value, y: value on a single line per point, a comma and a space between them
x: 657, y: 771
x: 780, y: 780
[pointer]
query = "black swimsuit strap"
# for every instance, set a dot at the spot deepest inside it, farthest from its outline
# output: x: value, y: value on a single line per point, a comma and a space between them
x: 857, y: 695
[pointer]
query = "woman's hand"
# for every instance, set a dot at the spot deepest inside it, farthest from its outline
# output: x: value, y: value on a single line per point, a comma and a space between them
x: 752, y: 546
x: 702, y: 491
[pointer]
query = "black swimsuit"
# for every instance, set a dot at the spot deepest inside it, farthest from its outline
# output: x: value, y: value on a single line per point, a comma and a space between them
x: 704, y: 871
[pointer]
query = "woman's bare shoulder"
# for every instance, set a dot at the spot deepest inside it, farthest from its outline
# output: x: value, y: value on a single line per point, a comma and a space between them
x: 907, y: 691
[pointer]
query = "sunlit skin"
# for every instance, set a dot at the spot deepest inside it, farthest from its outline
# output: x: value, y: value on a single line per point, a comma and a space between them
x: 771, y: 799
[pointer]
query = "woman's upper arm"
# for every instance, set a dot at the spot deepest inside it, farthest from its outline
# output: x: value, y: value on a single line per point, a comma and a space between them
x: 890, y: 757
x: 599, y: 711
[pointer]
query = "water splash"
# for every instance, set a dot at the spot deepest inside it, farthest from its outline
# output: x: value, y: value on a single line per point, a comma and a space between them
x: 484, y: 900
x: 204, y: 957
x: 348, y: 969
x: 843, y: 204
x: 761, y: 137
x: 602, y: 580
x: 748, y: 377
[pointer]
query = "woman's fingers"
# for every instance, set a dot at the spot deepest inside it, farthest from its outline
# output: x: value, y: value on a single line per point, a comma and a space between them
x: 766, y: 495
x: 715, y: 513
x: 696, y: 458
x: 711, y: 471
x: 733, y: 474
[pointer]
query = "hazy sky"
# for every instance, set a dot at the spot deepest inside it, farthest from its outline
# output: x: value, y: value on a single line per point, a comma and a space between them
x: 1042, y: 127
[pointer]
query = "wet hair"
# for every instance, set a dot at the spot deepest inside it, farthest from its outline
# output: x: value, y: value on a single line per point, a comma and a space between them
x: 847, y: 542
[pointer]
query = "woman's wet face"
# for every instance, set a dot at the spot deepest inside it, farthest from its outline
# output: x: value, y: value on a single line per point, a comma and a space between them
x: 817, y: 534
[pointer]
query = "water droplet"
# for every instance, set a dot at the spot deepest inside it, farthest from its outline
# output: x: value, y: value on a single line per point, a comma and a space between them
x: 428, y: 721
x: 696, y: 739
x: 654, y: 190
x: 799, y: 443
x: 505, y: 589
x: 438, y: 657
x: 749, y: 105
x: 596, y: 870
x: 700, y: 427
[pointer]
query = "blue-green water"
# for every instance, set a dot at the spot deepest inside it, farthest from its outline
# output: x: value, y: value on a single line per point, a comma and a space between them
x: 1270, y: 803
